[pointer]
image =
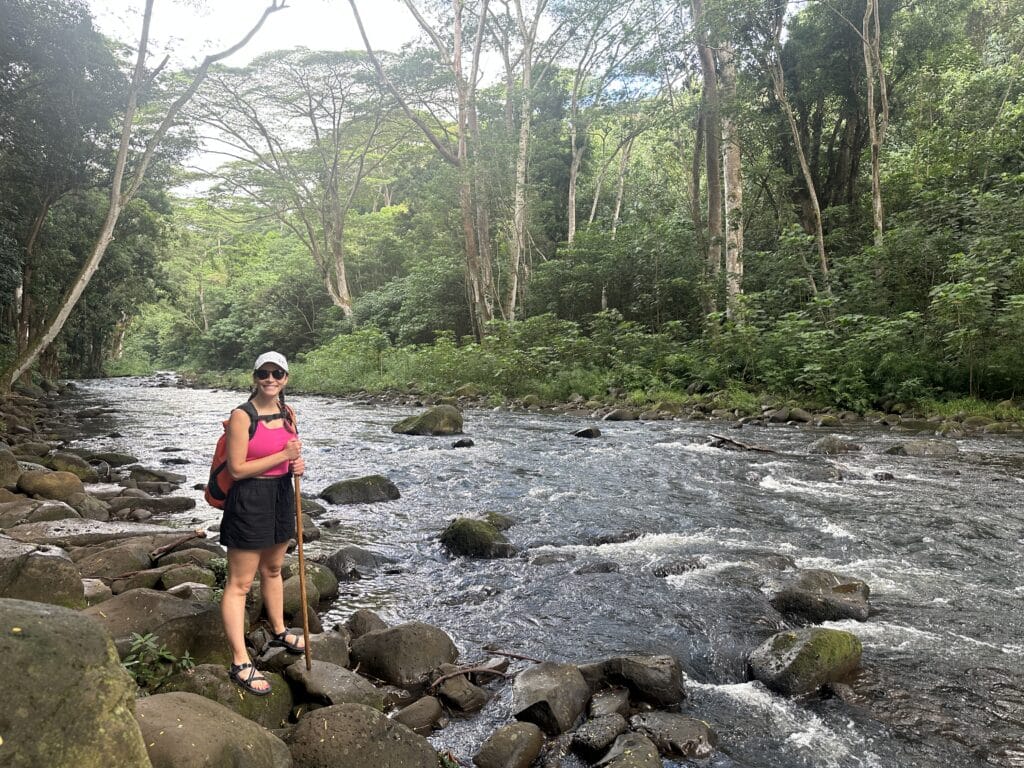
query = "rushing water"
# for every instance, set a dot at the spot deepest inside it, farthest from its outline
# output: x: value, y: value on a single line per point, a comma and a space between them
x: 940, y: 545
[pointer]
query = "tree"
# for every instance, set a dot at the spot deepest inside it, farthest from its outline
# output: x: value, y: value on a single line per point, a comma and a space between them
x: 126, y: 180
x: 302, y: 131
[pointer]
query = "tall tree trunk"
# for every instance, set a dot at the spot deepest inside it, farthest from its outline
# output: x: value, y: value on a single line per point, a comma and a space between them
x: 713, y: 155
x: 871, y: 40
x: 627, y: 150
x: 121, y: 195
x: 732, y: 164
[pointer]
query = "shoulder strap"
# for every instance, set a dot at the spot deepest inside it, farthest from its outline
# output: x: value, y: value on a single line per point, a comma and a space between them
x: 250, y: 411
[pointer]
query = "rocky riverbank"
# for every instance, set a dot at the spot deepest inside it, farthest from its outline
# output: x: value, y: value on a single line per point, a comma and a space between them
x: 93, y: 576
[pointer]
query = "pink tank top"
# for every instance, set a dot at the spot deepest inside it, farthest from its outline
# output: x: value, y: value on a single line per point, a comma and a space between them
x: 269, y: 441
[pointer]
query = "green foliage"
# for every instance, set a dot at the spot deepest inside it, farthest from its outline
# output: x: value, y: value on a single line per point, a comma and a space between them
x: 150, y: 663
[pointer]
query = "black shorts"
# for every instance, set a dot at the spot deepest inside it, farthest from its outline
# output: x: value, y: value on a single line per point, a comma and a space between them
x: 259, y: 513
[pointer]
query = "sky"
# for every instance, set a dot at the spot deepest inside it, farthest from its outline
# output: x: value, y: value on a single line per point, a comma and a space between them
x: 189, y: 29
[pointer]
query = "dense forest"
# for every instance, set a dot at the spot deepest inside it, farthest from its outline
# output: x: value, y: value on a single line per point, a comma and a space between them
x: 820, y: 200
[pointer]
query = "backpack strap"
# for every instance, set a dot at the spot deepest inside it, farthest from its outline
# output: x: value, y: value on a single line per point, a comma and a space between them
x: 254, y: 417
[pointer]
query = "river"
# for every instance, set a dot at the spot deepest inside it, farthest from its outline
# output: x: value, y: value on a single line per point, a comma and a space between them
x: 941, y: 546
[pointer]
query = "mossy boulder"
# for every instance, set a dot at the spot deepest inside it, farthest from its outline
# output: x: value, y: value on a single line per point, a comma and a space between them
x: 211, y: 681
x: 818, y: 595
x: 10, y: 470
x: 76, y: 465
x: 465, y: 537
x: 50, y: 485
x: 439, y: 420
x: 70, y: 700
x: 800, y: 661
x: 40, y: 573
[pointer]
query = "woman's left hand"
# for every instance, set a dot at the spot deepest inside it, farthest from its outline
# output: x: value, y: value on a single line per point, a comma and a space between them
x: 298, y: 466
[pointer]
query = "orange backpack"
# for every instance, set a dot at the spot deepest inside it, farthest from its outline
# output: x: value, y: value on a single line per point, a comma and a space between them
x: 220, y: 480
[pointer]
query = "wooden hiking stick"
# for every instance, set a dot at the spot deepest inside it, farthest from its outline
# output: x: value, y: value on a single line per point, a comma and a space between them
x: 302, y: 572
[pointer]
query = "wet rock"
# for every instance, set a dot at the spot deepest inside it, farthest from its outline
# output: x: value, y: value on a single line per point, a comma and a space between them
x: 317, y: 574
x: 553, y: 696
x: 515, y: 745
x: 216, y: 735
x: 603, y: 566
x: 656, y: 679
x: 164, y: 505
x: 114, y: 562
x: 498, y: 520
x: 819, y: 595
x: 828, y: 420
x: 160, y: 476
x: 832, y: 445
x: 924, y: 449
x: 610, y: 701
x: 631, y: 750
x: 883, y: 476
x: 404, y: 655
x: 78, y: 533
x: 356, y: 736
x: 620, y: 414
x: 145, y: 579
x: 361, y: 490
x: 72, y: 696
x: 596, y: 736
x: 363, y: 621
x: 439, y: 420
x: 112, y: 458
x: 211, y: 681
x: 43, y: 574
x: 459, y: 692
x: 352, y: 562
x: 465, y: 537
x: 89, y: 507
x: 800, y: 415
x: 464, y: 442
x: 329, y: 684
x: 799, y: 661
x: 587, y: 432
x: 676, y: 735
x: 69, y: 462
x: 10, y: 471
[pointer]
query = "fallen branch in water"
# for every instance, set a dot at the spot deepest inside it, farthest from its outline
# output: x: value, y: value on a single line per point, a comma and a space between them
x: 729, y: 444
x: 467, y: 671
x: 492, y: 649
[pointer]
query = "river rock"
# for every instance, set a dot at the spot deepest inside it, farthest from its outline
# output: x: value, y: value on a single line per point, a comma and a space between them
x: 352, y: 562
x: 465, y: 537
x: 609, y: 701
x: 113, y: 562
x: 163, y: 505
x: 50, y: 485
x: 363, y: 621
x: 89, y: 507
x: 24, y: 511
x: 655, y: 679
x: 924, y: 449
x: 515, y: 745
x: 800, y: 661
x: 320, y: 576
x: 160, y: 476
x: 212, y: 681
x: 181, y: 625
x: 80, y: 533
x: 361, y: 490
x: 422, y: 716
x: 96, y: 591
x: 184, y: 730
x: 187, y: 574
x: 553, y: 696
x: 10, y: 471
x: 439, y: 420
x: 459, y: 692
x: 587, y: 432
x: 405, y: 655
x: 328, y: 684
x: 631, y: 750
x: 42, y: 574
x: 596, y: 735
x: 76, y: 465
x: 112, y: 458
x: 356, y: 736
x: 620, y: 414
x: 676, y: 735
x: 831, y: 445
x: 819, y: 595
x: 69, y: 697
x: 34, y: 449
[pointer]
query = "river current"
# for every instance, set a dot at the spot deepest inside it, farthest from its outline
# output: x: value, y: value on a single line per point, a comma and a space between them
x: 601, y: 522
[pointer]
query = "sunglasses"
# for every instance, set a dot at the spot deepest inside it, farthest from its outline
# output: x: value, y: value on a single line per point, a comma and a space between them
x: 277, y: 373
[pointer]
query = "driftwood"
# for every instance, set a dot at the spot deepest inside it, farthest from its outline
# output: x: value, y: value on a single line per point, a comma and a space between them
x: 492, y: 649
x: 159, y: 552
x: 729, y: 444
x: 466, y: 671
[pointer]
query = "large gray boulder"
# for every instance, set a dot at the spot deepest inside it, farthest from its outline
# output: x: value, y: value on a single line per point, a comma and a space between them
x: 818, y: 595
x: 550, y: 695
x: 328, y: 683
x: 114, y: 562
x: 655, y: 679
x: 596, y: 735
x: 43, y: 574
x: 356, y: 736
x: 632, y: 750
x: 439, y: 420
x: 80, y: 533
x: 10, y: 470
x: 70, y: 702
x: 802, y: 660
x: 181, y: 625
x: 184, y: 730
x: 352, y: 562
x: 76, y: 465
x: 928, y: 449
x: 361, y: 490
x: 211, y: 681
x: 50, y: 485
x: 405, y: 655
x: 832, y: 445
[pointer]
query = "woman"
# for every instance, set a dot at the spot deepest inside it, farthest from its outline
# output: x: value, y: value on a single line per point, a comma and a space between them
x: 259, y: 514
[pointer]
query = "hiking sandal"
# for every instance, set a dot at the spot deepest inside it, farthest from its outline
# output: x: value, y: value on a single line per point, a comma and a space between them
x: 281, y: 641
x: 246, y: 682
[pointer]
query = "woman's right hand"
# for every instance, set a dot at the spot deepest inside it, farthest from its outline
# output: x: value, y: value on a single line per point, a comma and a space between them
x: 292, y: 450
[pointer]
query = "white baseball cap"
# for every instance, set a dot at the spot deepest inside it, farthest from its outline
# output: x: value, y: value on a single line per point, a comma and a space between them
x: 271, y: 357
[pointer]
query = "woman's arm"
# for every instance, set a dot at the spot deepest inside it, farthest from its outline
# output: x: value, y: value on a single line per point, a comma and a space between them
x: 238, y: 447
